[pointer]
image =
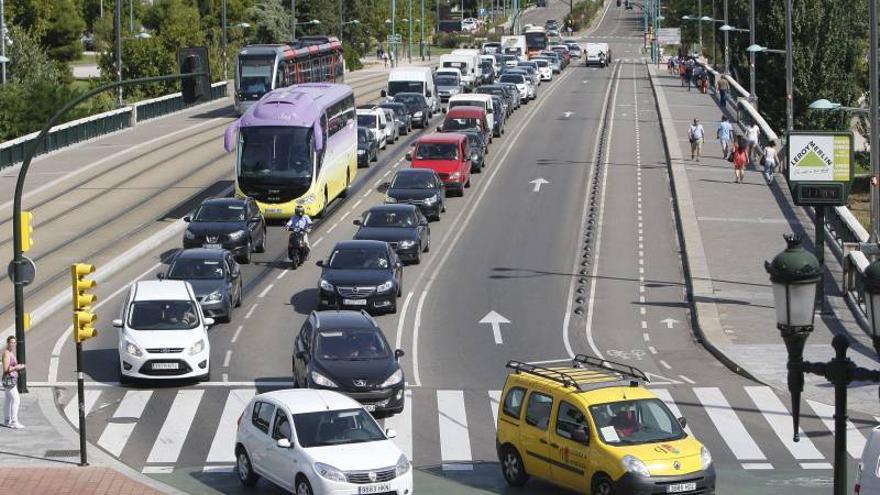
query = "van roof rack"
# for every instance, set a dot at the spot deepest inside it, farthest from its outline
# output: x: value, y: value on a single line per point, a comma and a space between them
x: 583, y: 380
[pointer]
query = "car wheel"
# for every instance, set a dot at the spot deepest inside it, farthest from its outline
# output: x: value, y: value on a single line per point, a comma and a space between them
x: 418, y: 258
x: 245, y: 470
x: 428, y: 245
x: 375, y: 157
x: 262, y: 247
x: 467, y: 184
x: 512, y: 467
x: 602, y: 485
x: 246, y: 257
x: 227, y: 315
x: 238, y: 300
x: 303, y: 487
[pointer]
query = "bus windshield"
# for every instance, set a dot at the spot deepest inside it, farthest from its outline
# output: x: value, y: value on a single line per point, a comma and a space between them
x: 276, y: 152
x: 536, y: 41
x: 255, y: 74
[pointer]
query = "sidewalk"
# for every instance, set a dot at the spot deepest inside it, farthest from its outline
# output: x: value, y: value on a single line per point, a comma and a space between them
x: 43, y: 457
x: 729, y: 230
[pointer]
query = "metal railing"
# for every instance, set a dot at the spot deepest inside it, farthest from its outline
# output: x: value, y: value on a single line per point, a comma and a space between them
x: 76, y: 131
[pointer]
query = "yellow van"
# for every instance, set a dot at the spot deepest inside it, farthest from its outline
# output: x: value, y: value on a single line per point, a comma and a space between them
x: 594, y: 428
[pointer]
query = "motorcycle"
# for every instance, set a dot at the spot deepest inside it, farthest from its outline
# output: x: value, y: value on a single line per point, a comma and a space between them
x: 297, y: 250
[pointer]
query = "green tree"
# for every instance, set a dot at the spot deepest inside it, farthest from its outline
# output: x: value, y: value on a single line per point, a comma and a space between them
x: 270, y: 21
x: 64, y: 28
x: 28, y: 61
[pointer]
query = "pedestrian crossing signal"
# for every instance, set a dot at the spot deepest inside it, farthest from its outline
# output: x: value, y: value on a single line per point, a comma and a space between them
x: 27, y: 230
x: 83, y: 299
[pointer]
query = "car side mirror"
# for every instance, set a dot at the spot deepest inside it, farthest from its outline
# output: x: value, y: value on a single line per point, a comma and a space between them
x: 319, y: 263
x: 117, y: 323
x: 383, y: 93
x: 160, y: 276
x: 301, y: 354
x: 443, y: 109
x: 390, y: 433
x: 383, y: 126
x: 356, y: 221
x: 408, y: 156
x: 428, y: 93
x: 440, y: 129
x: 397, y: 264
x: 580, y: 436
x: 283, y: 443
x: 683, y: 422
x: 398, y: 353
x: 423, y: 222
x: 209, y: 322
x: 187, y: 219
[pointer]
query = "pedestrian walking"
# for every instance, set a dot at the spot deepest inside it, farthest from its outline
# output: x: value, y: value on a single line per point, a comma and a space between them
x: 670, y: 65
x: 379, y: 52
x: 769, y: 161
x: 740, y: 158
x: 385, y: 58
x: 688, y: 75
x: 725, y: 135
x: 695, y: 136
x: 723, y: 86
x: 752, y: 133
x: 682, y: 72
x: 10, y: 384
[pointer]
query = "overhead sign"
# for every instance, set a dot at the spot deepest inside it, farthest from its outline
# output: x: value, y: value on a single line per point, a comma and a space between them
x: 393, y: 38
x: 820, y: 167
x: 669, y: 36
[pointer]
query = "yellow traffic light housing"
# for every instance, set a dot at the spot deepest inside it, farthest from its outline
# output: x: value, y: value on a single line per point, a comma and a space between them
x: 83, y: 317
x: 27, y: 230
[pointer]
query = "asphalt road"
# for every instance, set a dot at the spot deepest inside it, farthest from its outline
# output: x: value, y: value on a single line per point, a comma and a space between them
x: 587, y: 261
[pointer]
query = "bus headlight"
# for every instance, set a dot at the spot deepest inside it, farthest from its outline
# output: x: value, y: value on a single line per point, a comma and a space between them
x: 308, y: 198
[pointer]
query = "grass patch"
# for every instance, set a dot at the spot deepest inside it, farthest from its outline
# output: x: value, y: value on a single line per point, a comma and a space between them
x: 81, y: 84
x: 87, y: 59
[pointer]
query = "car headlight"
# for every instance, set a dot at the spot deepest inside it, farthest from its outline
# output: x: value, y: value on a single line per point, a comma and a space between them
x: 635, y: 465
x: 385, y: 287
x: 308, y: 198
x: 402, y: 466
x: 417, y: 115
x: 197, y: 347
x: 705, y: 458
x: 234, y: 236
x: 214, y: 297
x: 405, y: 245
x: 393, y: 380
x: 429, y: 201
x: 326, y: 285
x: 329, y: 472
x: 455, y: 175
x: 361, y: 152
x: 188, y: 235
x: 390, y: 199
x: 321, y: 380
x: 133, y: 349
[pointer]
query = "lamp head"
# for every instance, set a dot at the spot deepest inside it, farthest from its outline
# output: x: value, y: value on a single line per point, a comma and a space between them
x: 756, y: 48
x: 823, y: 104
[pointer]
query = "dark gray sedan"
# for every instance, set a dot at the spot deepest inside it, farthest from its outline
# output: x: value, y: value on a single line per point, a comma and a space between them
x: 215, y: 278
x: 404, y: 227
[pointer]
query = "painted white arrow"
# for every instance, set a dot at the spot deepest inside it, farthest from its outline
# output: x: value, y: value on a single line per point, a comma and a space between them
x: 669, y: 322
x: 495, y: 320
x: 540, y: 181
x: 568, y: 114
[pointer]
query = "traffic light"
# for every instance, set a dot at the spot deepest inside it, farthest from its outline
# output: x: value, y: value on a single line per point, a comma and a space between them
x: 27, y: 229
x: 195, y: 89
x: 83, y: 299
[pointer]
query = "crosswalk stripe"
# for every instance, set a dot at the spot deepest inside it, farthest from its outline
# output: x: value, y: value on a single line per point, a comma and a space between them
x: 455, y: 444
x: 71, y: 410
x: 780, y: 421
x: 855, y: 441
x: 494, y: 400
x: 402, y: 425
x: 116, y: 434
x: 728, y: 424
x: 176, y: 427
x: 666, y: 397
x: 223, y: 444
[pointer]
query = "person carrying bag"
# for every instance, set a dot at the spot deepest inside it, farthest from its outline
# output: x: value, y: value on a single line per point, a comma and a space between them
x: 10, y: 385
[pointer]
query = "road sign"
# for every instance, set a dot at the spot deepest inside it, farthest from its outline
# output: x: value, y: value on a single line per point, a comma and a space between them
x: 28, y: 271
x: 820, y: 167
x: 669, y: 36
x: 394, y: 38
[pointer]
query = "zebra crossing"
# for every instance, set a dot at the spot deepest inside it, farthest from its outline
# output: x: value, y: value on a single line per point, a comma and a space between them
x: 160, y: 430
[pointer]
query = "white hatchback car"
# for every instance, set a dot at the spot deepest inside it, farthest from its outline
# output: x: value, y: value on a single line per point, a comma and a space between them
x: 163, y: 333
x: 312, y: 441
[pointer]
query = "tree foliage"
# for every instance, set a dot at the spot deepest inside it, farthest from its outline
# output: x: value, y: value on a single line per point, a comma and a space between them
x: 64, y: 28
x: 271, y: 21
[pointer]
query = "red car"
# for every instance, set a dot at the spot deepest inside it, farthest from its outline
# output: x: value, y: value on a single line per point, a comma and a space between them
x: 448, y: 154
x: 467, y: 117
x: 563, y: 50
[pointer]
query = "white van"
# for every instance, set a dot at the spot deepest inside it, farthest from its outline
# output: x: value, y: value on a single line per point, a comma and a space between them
x: 592, y: 54
x: 464, y: 63
x: 481, y: 100
x: 474, y: 56
x: 868, y: 474
x: 376, y: 122
x: 413, y: 80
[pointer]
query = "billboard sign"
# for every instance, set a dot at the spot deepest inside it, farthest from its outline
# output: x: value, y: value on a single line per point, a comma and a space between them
x: 820, y: 167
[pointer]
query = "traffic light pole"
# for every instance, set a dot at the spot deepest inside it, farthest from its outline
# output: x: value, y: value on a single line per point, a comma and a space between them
x: 80, y: 398
x: 18, y: 261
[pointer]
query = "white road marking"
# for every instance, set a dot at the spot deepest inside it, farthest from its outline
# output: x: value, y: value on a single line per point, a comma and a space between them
x: 71, y: 410
x: 282, y: 274
x: 646, y: 337
x: 116, y: 434
x: 728, y: 424
x: 495, y: 320
x: 265, y: 291
x: 229, y: 468
x: 780, y: 422
x: 250, y: 311
x: 652, y: 349
x: 402, y: 424
x: 236, y: 334
x: 759, y: 466
x: 415, y: 351
x: 664, y: 364
x: 227, y: 358
x: 686, y: 379
x: 315, y: 244
x: 356, y: 204
x: 157, y: 470
x: 399, y: 340
x: 494, y: 400
x: 174, y: 431
x: 332, y: 227
x: 664, y: 395
x: 855, y: 441
x: 224, y: 377
x: 540, y: 181
x: 222, y: 446
x: 455, y: 443
x: 644, y: 325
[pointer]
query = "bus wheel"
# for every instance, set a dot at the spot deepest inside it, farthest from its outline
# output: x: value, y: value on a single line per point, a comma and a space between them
x: 324, y: 207
x: 344, y: 193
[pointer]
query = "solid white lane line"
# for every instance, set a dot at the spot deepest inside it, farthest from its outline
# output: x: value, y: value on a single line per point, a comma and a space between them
x: 250, y: 311
x: 402, y: 424
x: 399, y: 340
x: 664, y: 395
x: 455, y: 443
x: 728, y: 424
x: 226, y: 358
x: 855, y: 441
x: 780, y: 421
x: 237, y: 333
x: 173, y: 434
x: 71, y: 410
x: 266, y: 290
x: 223, y: 444
x: 494, y: 400
x: 417, y: 323
x: 116, y: 433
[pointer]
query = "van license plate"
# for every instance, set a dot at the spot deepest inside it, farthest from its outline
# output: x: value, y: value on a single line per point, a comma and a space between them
x: 377, y: 488
x: 682, y: 487
x: 165, y: 366
x: 354, y: 302
x: 212, y: 246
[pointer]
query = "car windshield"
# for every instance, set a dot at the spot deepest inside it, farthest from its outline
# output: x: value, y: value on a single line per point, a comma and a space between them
x: 219, y: 212
x: 413, y: 181
x: 467, y: 103
x: 359, y: 344
x: 366, y: 120
x: 542, y: 63
x: 512, y: 78
x: 359, y: 259
x: 284, y: 152
x: 490, y: 91
x: 475, y: 139
x: 163, y: 315
x: 441, y: 151
x: 195, y: 269
x: 399, y: 110
x: 446, y: 80
x: 410, y: 100
x: 636, y: 422
x: 339, y: 427
x: 389, y: 219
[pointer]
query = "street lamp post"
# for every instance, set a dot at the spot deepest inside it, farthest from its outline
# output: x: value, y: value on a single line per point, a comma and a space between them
x: 117, y: 27
x: 726, y: 42
x: 422, y: 33
x: 874, y: 141
x: 789, y: 77
x: 795, y: 275
x: 225, y: 43
x: 293, y: 20
x: 752, y: 96
x: 409, y: 38
x: 3, y: 59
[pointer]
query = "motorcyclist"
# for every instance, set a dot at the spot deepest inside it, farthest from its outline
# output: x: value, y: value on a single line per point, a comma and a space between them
x: 301, y: 221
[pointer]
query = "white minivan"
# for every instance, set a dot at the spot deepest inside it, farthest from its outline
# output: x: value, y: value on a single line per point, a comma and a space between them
x: 465, y: 64
x: 163, y: 334
x: 868, y: 474
x: 312, y: 441
x: 376, y: 122
x: 413, y: 80
x: 481, y: 100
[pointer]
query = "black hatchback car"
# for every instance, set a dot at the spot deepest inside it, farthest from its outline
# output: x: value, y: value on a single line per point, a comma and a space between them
x: 478, y: 148
x: 403, y: 226
x: 214, y: 276
x: 368, y: 147
x: 360, y: 274
x: 417, y: 106
x: 403, y: 116
x: 418, y: 186
x: 346, y: 351
x: 234, y: 224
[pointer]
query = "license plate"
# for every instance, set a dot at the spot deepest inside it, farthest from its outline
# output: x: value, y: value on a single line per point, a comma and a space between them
x: 370, y: 407
x: 273, y: 210
x: 681, y: 487
x: 377, y: 488
x: 212, y: 246
x: 166, y: 366
x: 354, y: 302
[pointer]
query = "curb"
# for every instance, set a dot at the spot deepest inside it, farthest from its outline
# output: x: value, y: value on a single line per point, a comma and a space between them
x: 703, y: 315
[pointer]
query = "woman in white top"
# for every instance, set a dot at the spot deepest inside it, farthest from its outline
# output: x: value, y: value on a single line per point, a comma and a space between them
x: 752, y: 140
x: 769, y: 161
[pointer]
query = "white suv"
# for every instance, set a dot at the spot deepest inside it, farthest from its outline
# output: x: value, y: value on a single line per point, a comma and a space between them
x: 318, y: 441
x: 163, y: 333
